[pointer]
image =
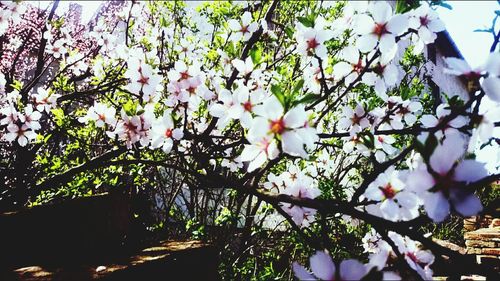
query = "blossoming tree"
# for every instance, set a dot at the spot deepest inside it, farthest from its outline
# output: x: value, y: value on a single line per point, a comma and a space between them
x: 274, y: 100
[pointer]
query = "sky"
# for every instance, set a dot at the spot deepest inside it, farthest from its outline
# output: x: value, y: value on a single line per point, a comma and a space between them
x: 88, y: 7
x: 461, y: 21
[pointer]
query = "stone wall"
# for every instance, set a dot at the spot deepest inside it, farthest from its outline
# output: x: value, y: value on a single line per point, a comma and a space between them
x: 484, y: 242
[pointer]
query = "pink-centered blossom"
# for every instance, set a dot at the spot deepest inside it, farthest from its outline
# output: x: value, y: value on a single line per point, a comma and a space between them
x: 380, y: 28
x: 242, y: 29
x: 441, y: 183
x: 22, y: 133
x: 427, y: 23
x: 44, y: 101
x: 101, y: 114
x: 394, y: 201
x: 163, y: 133
x: 291, y: 127
x: 302, y: 187
x: 354, y: 120
x: 311, y: 40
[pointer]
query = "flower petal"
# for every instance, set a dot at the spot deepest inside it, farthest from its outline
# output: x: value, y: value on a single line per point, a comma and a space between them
x: 366, y: 43
x: 301, y: 273
x: 470, y: 171
x: 352, y: 270
x: 436, y: 206
x: 398, y: 24
x: 293, y: 144
x: 296, y: 117
x: 429, y: 121
x: 257, y: 162
x: 322, y: 266
x: 381, y: 12
x: 443, y: 158
x: 467, y: 204
x: 389, y: 209
x: 249, y: 153
x: 491, y: 86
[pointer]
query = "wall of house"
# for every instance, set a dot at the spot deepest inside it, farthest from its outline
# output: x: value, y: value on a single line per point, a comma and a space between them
x: 449, y: 84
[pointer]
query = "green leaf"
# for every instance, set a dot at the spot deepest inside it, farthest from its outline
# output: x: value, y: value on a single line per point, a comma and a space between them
x: 130, y: 108
x: 47, y: 138
x: 307, y: 99
x: 289, y: 31
x: 58, y: 116
x: 278, y: 93
x: 403, y: 6
x: 298, y: 86
x: 307, y: 22
x: 256, y: 55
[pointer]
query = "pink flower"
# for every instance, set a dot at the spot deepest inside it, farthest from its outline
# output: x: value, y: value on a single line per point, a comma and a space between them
x: 30, y: 118
x: 244, y: 105
x: 261, y: 149
x: 22, y: 133
x: 351, y: 67
x: 45, y: 101
x: 443, y: 186
x: 382, y: 28
x: 396, y: 203
x: 163, y: 133
x: 430, y: 121
x: 418, y: 259
x: 100, y: 114
x: 10, y: 113
x: 426, y: 22
x: 272, y: 120
x: 128, y: 129
x: 323, y: 268
x: 143, y: 78
x: 311, y: 40
x: 354, y: 120
x: 57, y: 49
x: 242, y: 29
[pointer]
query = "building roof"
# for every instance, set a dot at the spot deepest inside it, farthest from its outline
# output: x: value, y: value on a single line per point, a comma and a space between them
x: 447, y: 46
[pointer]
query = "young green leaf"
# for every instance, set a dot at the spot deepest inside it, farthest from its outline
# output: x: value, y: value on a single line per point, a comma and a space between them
x: 278, y: 93
x: 256, y: 55
x: 307, y: 22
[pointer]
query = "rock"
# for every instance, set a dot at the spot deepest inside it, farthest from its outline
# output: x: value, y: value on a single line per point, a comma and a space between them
x: 481, y: 244
x: 473, y: 278
x: 491, y: 251
x: 495, y: 223
x: 449, y: 245
x: 473, y: 251
x: 489, y: 234
x: 477, y: 222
